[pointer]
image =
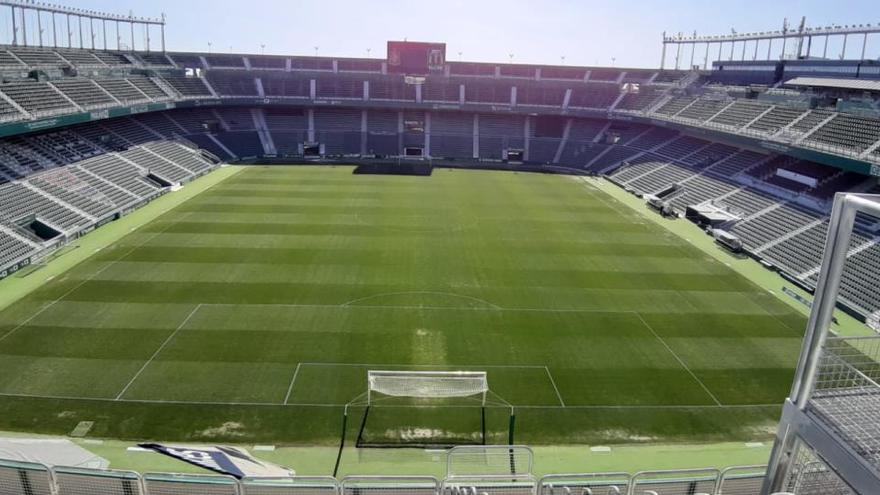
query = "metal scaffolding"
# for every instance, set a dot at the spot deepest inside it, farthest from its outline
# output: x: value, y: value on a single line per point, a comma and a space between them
x: 802, y: 36
x: 24, y: 12
x: 828, y: 441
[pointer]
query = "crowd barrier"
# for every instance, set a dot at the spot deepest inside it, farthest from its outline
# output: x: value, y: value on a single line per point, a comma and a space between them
x: 29, y: 478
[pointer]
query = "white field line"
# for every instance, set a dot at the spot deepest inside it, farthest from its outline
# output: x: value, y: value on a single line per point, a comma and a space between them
x: 442, y: 308
x: 681, y: 361
x: 403, y: 406
x: 165, y: 343
x: 391, y: 365
x: 439, y: 308
x: 553, y: 382
x: 292, y: 381
x: 420, y: 292
x: 88, y: 279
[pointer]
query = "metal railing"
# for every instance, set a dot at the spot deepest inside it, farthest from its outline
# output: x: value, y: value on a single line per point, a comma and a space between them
x: 37, y: 479
x: 828, y: 440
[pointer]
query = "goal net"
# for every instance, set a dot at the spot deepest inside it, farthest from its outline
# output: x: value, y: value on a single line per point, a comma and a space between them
x: 430, y: 409
x: 427, y: 384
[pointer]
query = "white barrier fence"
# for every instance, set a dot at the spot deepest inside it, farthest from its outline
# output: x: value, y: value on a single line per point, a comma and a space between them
x: 25, y: 478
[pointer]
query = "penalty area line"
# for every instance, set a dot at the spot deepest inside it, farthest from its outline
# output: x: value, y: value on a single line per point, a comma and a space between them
x: 292, y: 381
x: 553, y: 382
x: 159, y: 350
x: 680, y: 361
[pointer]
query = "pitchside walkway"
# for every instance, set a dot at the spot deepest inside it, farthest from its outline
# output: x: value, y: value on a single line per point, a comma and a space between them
x: 848, y: 326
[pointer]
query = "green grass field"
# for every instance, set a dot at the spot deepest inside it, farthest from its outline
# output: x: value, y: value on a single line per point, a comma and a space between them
x: 251, y: 312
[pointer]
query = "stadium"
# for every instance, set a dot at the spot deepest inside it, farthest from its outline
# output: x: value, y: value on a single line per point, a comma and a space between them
x: 319, y: 275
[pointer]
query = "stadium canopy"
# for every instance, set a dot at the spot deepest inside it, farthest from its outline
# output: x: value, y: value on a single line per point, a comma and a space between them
x: 834, y: 83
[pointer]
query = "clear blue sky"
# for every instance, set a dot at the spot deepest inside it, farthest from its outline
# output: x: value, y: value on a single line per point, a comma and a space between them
x: 586, y: 32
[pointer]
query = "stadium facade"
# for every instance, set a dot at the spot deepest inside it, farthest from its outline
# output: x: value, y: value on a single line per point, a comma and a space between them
x: 754, y: 150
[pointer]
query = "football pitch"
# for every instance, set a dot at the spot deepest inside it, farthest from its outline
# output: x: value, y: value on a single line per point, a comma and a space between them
x: 252, y: 312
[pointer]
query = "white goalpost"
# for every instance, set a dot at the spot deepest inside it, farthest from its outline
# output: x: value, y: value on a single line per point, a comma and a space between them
x: 405, y: 398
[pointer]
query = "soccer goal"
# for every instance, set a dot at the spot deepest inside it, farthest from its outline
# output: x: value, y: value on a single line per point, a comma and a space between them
x: 429, y: 409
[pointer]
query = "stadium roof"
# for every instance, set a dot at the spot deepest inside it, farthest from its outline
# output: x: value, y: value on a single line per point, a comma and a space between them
x: 835, y: 83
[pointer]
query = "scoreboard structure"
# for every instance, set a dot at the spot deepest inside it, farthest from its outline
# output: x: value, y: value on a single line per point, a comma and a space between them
x: 416, y: 57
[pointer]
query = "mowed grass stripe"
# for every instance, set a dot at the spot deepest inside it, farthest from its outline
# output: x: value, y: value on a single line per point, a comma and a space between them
x: 460, y: 270
x: 500, y: 243
x: 541, y: 299
x: 458, y: 276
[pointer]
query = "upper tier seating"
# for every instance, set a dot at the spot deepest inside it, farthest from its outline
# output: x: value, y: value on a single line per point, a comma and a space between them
x: 604, y: 75
x: 81, y: 58
x: 436, y: 89
x: 809, y: 121
x: 674, y: 105
x: 285, y: 86
x: 7, y: 61
x: 112, y: 59
x: 848, y: 131
x: 703, y: 109
x: 35, y: 57
x: 639, y: 101
x: 599, y: 96
x: 8, y: 112
x: 122, y: 90
x: 359, y: 65
x: 776, y: 119
x: 85, y: 93
x: 188, y: 86
x: 149, y: 87
x: 540, y: 95
x: 669, y: 76
x: 225, y: 61
x: 352, y: 89
x: 740, y: 113
x: 233, y: 83
x: 736, y: 164
x: 268, y: 62
x: 155, y: 59
x: 36, y: 97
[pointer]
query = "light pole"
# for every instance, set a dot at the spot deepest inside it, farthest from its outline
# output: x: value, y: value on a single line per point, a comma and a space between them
x: 613, y: 60
x: 459, y: 56
x: 562, y: 58
x: 316, y: 51
x: 368, y: 52
x: 209, y: 47
x: 262, y: 49
x: 511, y: 57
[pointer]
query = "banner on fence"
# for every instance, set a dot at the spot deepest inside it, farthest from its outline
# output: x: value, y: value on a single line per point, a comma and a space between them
x: 232, y: 461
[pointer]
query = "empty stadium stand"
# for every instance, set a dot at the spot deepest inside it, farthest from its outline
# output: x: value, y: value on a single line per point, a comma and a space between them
x: 353, y: 107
